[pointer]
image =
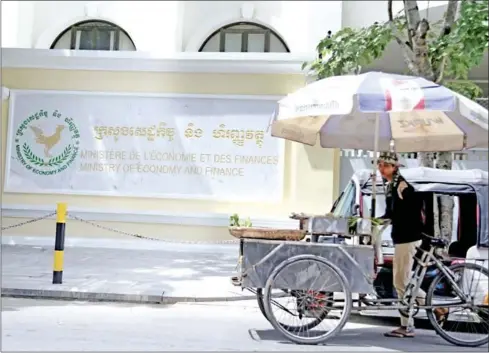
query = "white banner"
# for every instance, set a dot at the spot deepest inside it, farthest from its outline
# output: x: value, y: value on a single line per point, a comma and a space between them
x: 178, y: 146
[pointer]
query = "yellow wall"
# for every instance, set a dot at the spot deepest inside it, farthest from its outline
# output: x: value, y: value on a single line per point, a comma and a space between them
x: 311, y: 173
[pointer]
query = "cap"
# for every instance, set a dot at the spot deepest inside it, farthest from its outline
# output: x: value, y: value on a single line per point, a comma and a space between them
x: 389, y: 158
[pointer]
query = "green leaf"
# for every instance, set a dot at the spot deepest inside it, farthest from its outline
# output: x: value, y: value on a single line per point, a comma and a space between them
x: 466, y: 88
x: 465, y: 45
x: 349, y: 49
x: 455, y: 54
x: 234, y: 221
x: 53, y: 162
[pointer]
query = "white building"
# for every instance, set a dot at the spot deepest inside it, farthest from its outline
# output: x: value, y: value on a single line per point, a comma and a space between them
x: 230, y: 49
x: 168, y: 27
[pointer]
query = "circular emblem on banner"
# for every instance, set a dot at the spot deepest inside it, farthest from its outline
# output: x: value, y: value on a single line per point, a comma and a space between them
x: 47, y: 144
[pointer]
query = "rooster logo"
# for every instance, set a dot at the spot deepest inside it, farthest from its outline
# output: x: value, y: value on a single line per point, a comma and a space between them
x: 57, y: 149
x: 48, y: 141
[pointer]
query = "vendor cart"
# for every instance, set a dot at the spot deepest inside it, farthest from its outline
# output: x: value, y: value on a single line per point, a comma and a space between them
x: 307, y: 290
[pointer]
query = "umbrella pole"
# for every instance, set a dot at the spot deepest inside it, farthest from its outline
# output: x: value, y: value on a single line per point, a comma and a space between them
x: 374, y: 175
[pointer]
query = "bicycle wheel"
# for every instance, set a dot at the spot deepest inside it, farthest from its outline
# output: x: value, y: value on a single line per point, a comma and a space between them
x: 471, y: 316
x: 277, y: 302
x: 313, y: 307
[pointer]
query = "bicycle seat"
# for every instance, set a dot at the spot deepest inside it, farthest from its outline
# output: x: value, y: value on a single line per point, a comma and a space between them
x: 436, y: 242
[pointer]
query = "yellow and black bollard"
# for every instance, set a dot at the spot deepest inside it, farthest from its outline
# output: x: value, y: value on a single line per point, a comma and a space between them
x: 59, y: 243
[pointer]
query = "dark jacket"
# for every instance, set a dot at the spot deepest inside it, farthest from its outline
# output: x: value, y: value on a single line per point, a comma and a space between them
x: 404, y: 213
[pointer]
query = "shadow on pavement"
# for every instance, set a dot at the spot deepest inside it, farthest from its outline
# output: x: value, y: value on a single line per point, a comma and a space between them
x: 424, y: 341
x: 137, y: 271
x: 96, y: 262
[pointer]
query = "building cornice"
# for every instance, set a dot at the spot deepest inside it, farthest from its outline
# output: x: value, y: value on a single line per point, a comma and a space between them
x: 242, y: 63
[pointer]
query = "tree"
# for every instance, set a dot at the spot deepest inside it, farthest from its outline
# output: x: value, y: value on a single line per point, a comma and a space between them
x: 443, y: 52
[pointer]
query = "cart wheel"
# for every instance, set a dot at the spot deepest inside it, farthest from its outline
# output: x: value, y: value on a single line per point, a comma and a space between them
x: 259, y: 299
x: 312, y: 305
x: 276, y: 302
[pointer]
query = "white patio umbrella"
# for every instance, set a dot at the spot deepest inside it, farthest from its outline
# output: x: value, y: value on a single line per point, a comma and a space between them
x: 381, y: 112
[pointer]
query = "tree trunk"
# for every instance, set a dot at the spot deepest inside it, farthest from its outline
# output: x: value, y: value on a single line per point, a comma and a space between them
x: 427, y: 159
x: 417, y: 38
x: 436, y: 216
x: 443, y: 205
x: 444, y: 161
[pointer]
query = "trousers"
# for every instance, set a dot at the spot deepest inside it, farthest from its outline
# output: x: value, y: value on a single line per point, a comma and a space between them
x: 402, y: 268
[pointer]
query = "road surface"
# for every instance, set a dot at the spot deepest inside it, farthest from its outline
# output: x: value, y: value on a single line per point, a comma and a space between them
x: 41, y: 325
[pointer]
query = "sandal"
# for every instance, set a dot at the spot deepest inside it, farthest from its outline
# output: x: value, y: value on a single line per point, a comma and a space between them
x: 441, y: 315
x: 401, y: 332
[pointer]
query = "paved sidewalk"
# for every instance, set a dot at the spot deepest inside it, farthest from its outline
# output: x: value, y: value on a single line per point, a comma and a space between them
x: 136, y: 272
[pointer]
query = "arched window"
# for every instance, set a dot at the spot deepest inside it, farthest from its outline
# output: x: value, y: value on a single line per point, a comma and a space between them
x: 244, y: 37
x: 94, y: 35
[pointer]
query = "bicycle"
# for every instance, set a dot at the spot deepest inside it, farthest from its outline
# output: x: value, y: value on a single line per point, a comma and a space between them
x: 450, y: 281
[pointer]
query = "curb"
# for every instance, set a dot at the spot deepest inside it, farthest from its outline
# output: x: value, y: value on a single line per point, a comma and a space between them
x: 64, y: 295
x: 114, y: 297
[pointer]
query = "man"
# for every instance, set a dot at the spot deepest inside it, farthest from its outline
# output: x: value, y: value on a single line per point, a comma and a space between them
x: 403, y: 208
